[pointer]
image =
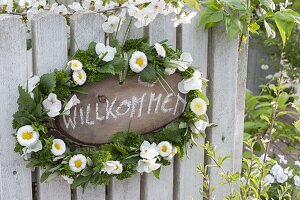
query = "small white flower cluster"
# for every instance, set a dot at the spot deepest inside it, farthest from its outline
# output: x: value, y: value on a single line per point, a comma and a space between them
x: 281, y: 175
x: 150, y: 153
x: 144, y: 11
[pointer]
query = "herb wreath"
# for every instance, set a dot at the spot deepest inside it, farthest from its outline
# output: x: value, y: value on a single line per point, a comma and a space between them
x: 49, y: 96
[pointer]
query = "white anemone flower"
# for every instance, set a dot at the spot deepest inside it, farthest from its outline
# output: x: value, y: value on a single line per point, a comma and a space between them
x: 157, y: 6
x: 113, y: 167
x: 165, y: 148
x: 93, y: 5
x: 25, y: 3
x: 183, y: 18
x: 281, y: 177
x: 187, y: 85
x: 77, y: 163
x: 37, y: 3
x: 184, y: 62
x: 34, y: 148
x: 27, y: 136
x: 59, y: 9
x: 58, y: 147
x: 269, y: 179
x: 111, y: 25
x: 107, y: 53
x: 68, y: 179
x: 138, y: 61
x: 282, y: 159
x: 76, y: 6
x: 170, y: 70
x: 160, y: 50
x: 148, y: 151
x: 52, y: 105
x: 276, y: 169
x: 75, y: 65
x: 297, y: 180
x: 172, y: 154
x: 32, y: 83
x: 198, y: 106
x: 79, y: 77
x: 147, y: 166
x: 297, y: 163
x: 144, y: 18
x: 72, y: 102
x: 199, y: 126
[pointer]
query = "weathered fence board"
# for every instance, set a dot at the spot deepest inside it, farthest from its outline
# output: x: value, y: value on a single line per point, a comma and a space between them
x: 49, y: 42
x: 85, y: 28
x: 227, y: 99
x: 187, y: 181
x: 151, y: 188
x: 15, y: 179
x: 127, y: 189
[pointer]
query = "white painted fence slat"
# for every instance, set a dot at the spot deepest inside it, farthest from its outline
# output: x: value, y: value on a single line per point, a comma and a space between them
x: 126, y: 189
x: 85, y: 28
x: 15, y: 178
x: 152, y: 188
x: 49, y: 34
x: 187, y: 180
x: 227, y: 100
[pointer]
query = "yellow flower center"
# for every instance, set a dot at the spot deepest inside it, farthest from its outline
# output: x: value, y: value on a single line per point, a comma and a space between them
x: 139, y: 61
x: 75, y: 65
x: 78, y: 163
x: 27, y: 135
x: 57, y: 146
x: 80, y: 76
x: 198, y: 106
x: 164, y: 148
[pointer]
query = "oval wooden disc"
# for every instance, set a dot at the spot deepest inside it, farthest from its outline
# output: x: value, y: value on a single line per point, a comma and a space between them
x: 111, y: 107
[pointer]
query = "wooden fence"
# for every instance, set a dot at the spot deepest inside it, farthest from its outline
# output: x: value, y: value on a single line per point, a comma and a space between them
x: 220, y: 60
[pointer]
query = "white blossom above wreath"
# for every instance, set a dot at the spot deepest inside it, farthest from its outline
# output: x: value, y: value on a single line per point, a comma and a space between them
x: 50, y: 95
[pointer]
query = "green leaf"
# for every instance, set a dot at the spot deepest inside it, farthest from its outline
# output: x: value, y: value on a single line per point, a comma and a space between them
x: 233, y: 26
x: 269, y: 4
x: 25, y: 102
x: 80, y: 180
x: 210, y: 17
x: 156, y: 173
x: 193, y: 3
x: 107, y: 69
x: 45, y: 176
x: 285, y: 21
x: 237, y: 5
x: 47, y: 83
x: 148, y: 74
x: 87, y: 171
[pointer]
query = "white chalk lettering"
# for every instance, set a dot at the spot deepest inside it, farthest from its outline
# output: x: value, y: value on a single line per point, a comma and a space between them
x: 183, y: 101
x: 81, y: 116
x: 70, y: 122
x: 109, y: 109
x: 166, y: 100
x: 153, y: 99
x: 97, y: 113
x: 87, y: 116
x: 125, y: 103
x: 136, y: 101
